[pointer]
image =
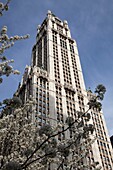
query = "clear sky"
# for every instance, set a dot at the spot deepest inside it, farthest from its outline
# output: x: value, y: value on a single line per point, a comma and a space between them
x: 91, y: 25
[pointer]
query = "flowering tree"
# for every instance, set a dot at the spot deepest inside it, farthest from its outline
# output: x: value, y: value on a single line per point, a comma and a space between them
x: 4, y: 7
x: 5, y: 43
x: 25, y: 146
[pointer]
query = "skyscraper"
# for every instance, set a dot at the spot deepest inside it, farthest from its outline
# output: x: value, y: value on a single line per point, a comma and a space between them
x: 55, y: 80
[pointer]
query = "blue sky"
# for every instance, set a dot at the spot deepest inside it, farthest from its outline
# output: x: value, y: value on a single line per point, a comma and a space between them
x: 91, y: 24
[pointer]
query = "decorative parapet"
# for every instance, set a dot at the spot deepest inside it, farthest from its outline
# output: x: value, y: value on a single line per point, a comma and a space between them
x: 40, y: 72
x: 69, y: 87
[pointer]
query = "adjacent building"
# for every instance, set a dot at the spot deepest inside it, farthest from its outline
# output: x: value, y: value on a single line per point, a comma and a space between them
x: 55, y: 80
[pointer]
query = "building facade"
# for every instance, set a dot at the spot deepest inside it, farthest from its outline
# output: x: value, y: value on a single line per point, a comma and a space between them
x: 55, y: 80
x: 111, y: 139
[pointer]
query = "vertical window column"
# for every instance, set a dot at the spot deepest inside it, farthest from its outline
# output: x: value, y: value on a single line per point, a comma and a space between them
x: 44, y: 64
x: 39, y: 63
x: 56, y: 59
x: 70, y: 62
x: 42, y: 98
x: 59, y: 110
x: 34, y: 56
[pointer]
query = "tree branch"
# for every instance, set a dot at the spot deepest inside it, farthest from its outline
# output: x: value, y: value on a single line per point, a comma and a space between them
x: 61, y: 164
x: 46, y: 140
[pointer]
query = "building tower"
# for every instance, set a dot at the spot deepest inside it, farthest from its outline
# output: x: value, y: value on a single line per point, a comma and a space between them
x: 55, y: 80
